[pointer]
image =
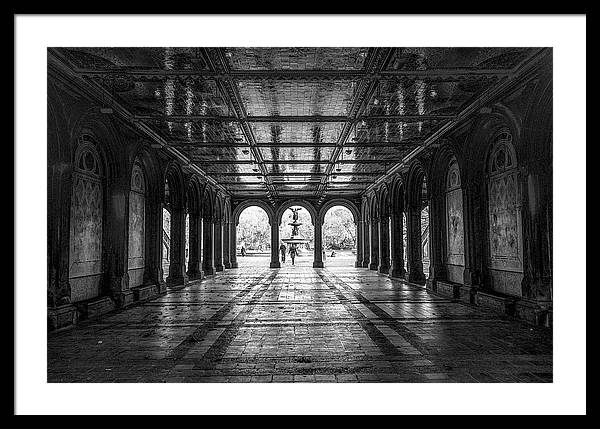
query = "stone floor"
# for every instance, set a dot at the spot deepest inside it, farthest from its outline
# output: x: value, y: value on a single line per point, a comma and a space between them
x: 299, y: 324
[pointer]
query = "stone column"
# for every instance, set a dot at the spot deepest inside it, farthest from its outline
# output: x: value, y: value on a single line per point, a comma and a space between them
x: 397, y: 258
x: 61, y: 312
x: 318, y: 250
x: 374, y: 240
x: 208, y: 246
x: 194, y: 270
x: 471, y: 274
x: 116, y: 242
x: 153, y: 274
x: 366, y: 243
x: 537, y: 249
x: 359, y: 244
x: 177, y: 274
x: 413, y: 230
x: 233, y: 245
x: 437, y: 242
x: 275, y: 245
x: 226, y: 243
x: 384, y: 245
x: 218, y: 234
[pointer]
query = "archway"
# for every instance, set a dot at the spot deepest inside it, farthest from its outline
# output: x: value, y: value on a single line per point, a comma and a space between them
x: 339, y: 237
x: 253, y: 237
x: 304, y: 251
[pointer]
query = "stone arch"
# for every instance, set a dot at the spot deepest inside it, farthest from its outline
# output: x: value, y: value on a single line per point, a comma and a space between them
x: 484, y: 130
x: 227, y: 210
x: 207, y: 203
x: 439, y: 167
x: 339, y: 202
x: 105, y: 136
x: 174, y: 194
x: 194, y: 195
x: 152, y: 172
x: 397, y: 195
x: 249, y: 203
x: 384, y: 201
x: 218, y: 208
x: 290, y: 203
x: 416, y: 175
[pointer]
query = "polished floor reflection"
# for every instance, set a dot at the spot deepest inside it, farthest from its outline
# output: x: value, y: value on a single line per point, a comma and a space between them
x: 299, y: 324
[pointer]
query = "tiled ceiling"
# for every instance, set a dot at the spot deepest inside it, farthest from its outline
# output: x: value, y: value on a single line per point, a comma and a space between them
x: 302, y: 122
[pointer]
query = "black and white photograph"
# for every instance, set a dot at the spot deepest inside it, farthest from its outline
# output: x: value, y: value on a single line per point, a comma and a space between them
x: 227, y: 217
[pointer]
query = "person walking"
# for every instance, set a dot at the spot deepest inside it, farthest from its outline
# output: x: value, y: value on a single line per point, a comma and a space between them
x: 282, y: 250
x: 243, y: 251
x: 293, y: 253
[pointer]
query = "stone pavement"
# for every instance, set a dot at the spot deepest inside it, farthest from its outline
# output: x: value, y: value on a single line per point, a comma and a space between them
x: 299, y: 324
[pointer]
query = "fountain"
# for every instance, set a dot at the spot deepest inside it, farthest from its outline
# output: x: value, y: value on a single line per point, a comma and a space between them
x: 295, y: 238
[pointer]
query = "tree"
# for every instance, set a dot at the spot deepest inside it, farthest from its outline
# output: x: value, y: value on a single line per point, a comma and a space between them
x: 254, y: 231
x: 339, y: 230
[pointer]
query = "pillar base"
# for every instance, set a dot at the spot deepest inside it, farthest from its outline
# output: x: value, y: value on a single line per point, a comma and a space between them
x: 373, y: 266
x: 198, y: 275
x: 124, y: 298
x: 234, y: 265
x: 145, y: 292
x: 172, y: 282
x: 209, y: 271
x: 358, y: 264
x: 383, y: 269
x: 397, y: 273
x: 365, y: 265
x: 431, y: 284
x: 418, y: 278
x: 318, y: 264
x: 227, y: 265
x: 62, y: 317
x: 162, y: 287
x: 275, y: 265
x: 219, y: 267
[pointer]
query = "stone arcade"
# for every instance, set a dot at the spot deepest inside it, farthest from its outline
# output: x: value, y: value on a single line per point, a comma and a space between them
x: 443, y: 156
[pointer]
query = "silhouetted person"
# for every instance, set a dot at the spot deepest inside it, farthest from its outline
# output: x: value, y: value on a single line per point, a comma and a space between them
x: 243, y: 251
x: 282, y: 250
x: 293, y: 253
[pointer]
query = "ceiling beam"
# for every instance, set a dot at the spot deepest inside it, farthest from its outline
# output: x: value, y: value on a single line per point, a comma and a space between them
x: 196, y: 144
x: 296, y: 173
x: 520, y: 71
x: 241, y: 75
x: 100, y: 95
x: 310, y: 119
x: 216, y: 60
x: 294, y: 161
x: 375, y: 63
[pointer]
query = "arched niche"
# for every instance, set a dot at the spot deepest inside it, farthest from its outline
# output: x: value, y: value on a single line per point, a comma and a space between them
x: 454, y: 221
x: 87, y: 219
x: 504, y: 204
x: 136, y: 262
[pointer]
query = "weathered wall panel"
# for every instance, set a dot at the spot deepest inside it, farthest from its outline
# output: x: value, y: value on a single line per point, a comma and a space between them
x: 85, y: 265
